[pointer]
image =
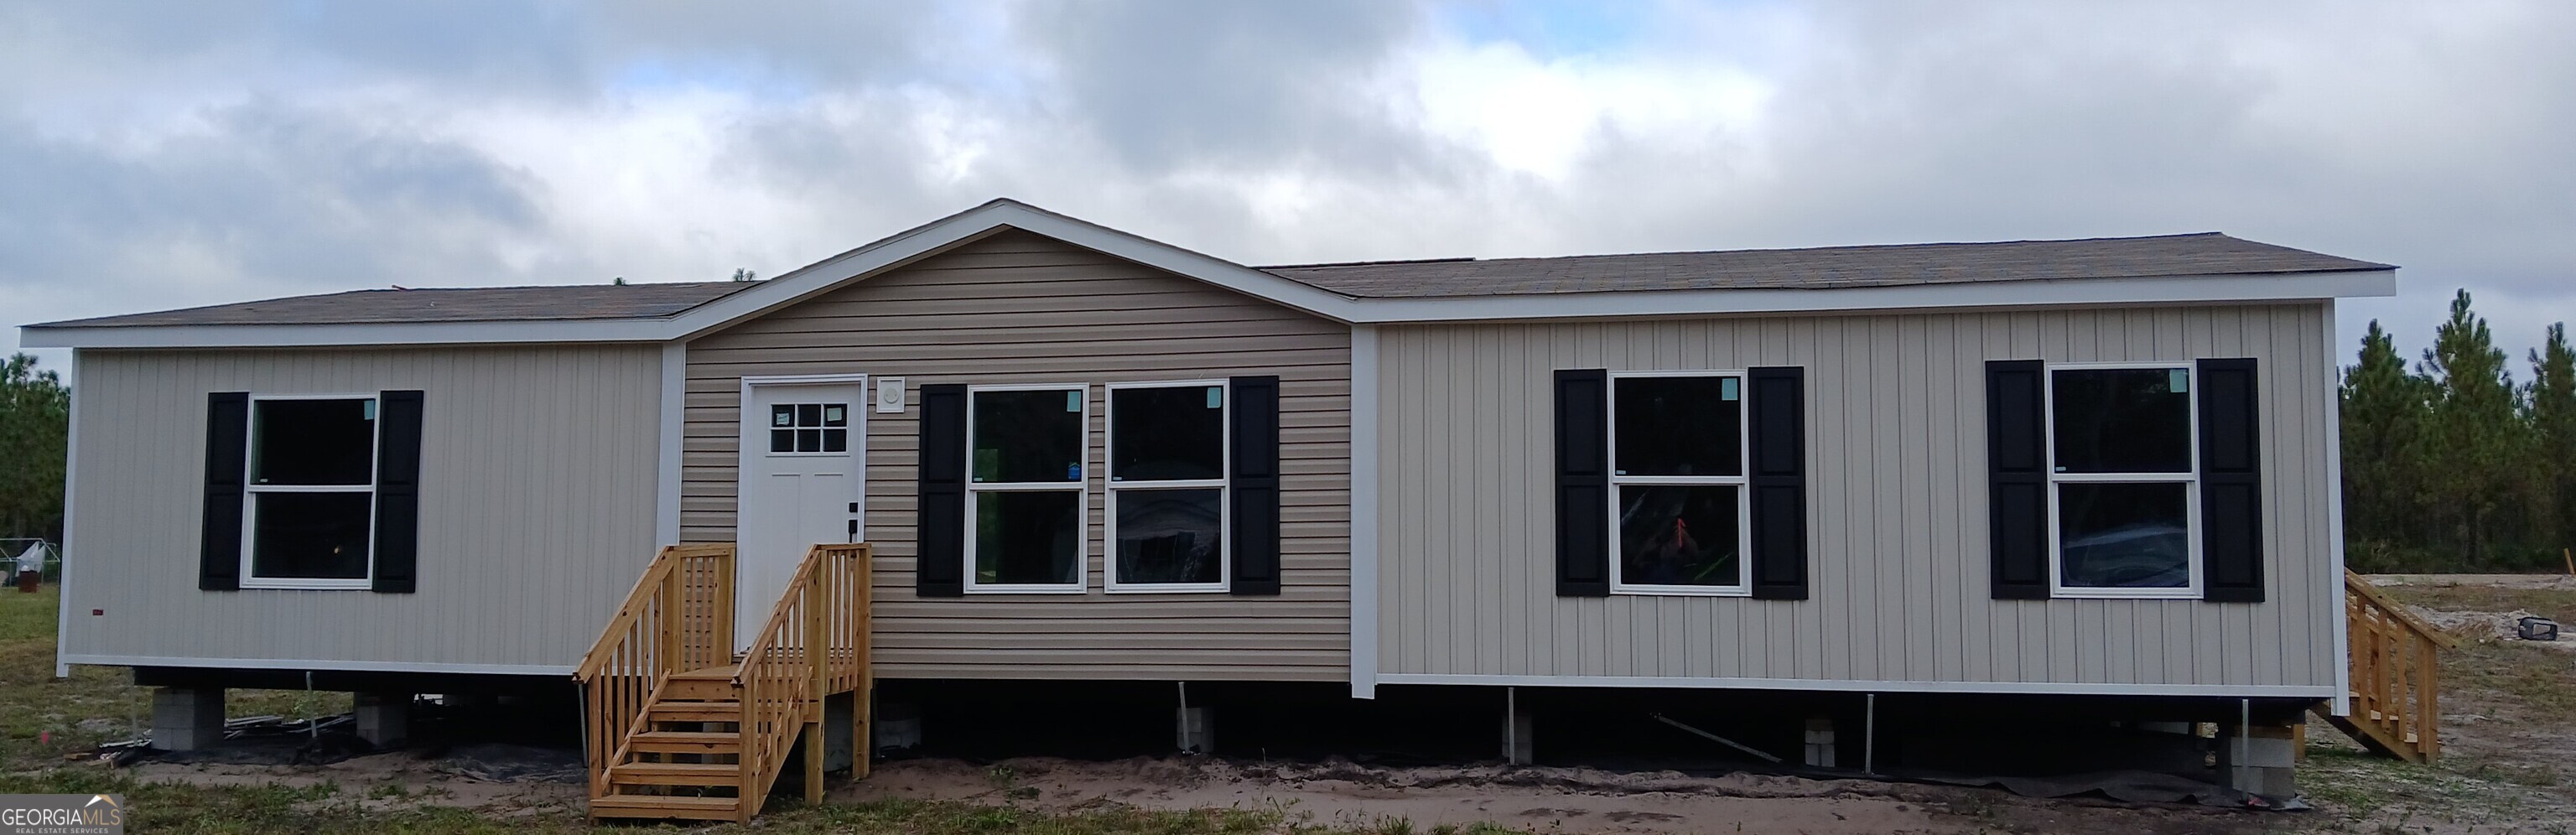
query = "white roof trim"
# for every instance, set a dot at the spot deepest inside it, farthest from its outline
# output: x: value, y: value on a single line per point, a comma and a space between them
x: 991, y: 217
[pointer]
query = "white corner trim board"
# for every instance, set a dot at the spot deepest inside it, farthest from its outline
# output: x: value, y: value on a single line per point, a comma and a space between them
x: 976, y: 223
x: 2334, y: 519
x: 1364, y: 511
x: 2297, y: 691
x: 666, y: 474
x: 71, y: 525
x: 564, y: 670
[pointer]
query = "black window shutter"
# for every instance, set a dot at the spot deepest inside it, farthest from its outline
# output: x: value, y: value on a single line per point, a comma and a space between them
x: 1582, y: 482
x: 1778, y: 399
x: 2231, y: 483
x: 219, y: 550
x: 1255, y: 483
x: 397, y: 491
x: 939, y: 568
x: 2017, y: 478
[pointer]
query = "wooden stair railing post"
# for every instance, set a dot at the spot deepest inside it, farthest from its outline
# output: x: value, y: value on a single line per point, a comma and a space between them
x: 723, y: 617
x: 2429, y: 698
x: 862, y: 652
x: 818, y: 663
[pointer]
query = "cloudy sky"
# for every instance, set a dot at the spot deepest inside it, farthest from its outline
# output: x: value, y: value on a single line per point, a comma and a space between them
x: 179, y: 154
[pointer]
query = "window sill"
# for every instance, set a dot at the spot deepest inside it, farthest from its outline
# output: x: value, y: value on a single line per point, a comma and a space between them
x: 995, y: 590
x: 2088, y: 593
x: 1169, y: 588
x: 1682, y: 591
x: 309, y: 585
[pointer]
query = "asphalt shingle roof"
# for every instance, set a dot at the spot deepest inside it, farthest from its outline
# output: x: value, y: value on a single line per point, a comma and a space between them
x: 463, y: 304
x: 2206, y: 253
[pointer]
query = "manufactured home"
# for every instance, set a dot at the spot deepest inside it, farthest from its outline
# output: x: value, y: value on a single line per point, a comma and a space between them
x: 1039, y: 449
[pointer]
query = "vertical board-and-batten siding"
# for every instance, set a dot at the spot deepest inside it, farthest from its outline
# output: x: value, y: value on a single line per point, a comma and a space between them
x: 1897, y: 514
x: 1021, y: 308
x: 536, y: 507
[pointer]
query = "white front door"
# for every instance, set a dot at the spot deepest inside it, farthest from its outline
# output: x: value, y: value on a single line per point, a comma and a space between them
x: 800, y: 486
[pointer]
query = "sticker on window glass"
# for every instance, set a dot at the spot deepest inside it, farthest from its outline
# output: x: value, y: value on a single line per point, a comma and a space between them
x: 835, y: 414
x: 782, y: 415
x: 1073, y: 472
x: 2180, y: 380
x: 1216, y: 397
x: 370, y: 410
x: 1073, y: 401
x: 1726, y: 389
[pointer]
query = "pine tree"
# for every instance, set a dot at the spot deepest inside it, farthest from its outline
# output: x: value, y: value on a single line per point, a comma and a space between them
x: 2553, y: 424
x: 2383, y: 426
x: 2473, y: 468
x: 35, y: 421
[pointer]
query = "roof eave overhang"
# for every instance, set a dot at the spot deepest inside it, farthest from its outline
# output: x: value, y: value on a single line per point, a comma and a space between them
x: 972, y: 224
x: 2089, y: 292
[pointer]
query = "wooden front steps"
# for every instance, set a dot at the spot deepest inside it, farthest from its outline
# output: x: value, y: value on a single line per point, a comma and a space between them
x: 679, y: 728
x: 2396, y: 676
x: 666, y: 807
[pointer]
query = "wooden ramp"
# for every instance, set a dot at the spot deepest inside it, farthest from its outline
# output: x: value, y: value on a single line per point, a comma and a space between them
x: 679, y: 727
x: 2396, y: 676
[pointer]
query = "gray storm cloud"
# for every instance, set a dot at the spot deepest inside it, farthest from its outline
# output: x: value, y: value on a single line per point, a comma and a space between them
x: 155, y: 157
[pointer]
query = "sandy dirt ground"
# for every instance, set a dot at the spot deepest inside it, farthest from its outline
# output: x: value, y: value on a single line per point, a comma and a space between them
x: 2500, y: 774
x: 1336, y: 794
x: 2553, y: 582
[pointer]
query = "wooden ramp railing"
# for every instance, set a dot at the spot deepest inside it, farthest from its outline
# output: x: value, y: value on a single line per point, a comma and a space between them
x: 679, y: 617
x: 680, y: 727
x: 2396, y: 676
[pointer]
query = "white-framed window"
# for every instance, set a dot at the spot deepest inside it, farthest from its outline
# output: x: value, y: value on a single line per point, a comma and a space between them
x: 1027, y: 501
x: 1678, y: 492
x: 2124, y: 480
x: 309, y: 516
x: 1169, y: 518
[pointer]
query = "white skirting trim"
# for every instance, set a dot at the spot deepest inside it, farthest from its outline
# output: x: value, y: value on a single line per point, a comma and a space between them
x: 298, y: 664
x: 2322, y: 691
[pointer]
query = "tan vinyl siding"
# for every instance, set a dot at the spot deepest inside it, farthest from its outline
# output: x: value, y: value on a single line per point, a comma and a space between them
x: 536, y: 506
x: 1019, y: 308
x: 1897, y: 518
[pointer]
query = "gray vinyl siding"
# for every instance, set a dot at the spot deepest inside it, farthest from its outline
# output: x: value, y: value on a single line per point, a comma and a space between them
x: 1897, y: 518
x: 1019, y: 308
x: 536, y: 507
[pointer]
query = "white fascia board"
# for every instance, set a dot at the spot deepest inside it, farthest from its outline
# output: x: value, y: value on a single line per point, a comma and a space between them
x: 2090, y: 292
x: 2232, y: 691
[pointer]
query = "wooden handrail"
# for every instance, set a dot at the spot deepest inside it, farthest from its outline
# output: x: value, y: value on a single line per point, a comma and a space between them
x: 815, y: 643
x: 2396, y: 675
x: 679, y: 617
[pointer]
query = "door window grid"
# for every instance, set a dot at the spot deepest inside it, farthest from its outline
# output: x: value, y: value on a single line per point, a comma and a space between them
x: 302, y: 502
x: 1171, y: 496
x: 1689, y: 490
x: 2095, y: 486
x: 804, y: 428
x: 1002, y: 514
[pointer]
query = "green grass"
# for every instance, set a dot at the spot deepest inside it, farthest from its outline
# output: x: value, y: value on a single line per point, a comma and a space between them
x: 168, y: 807
x: 42, y: 717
